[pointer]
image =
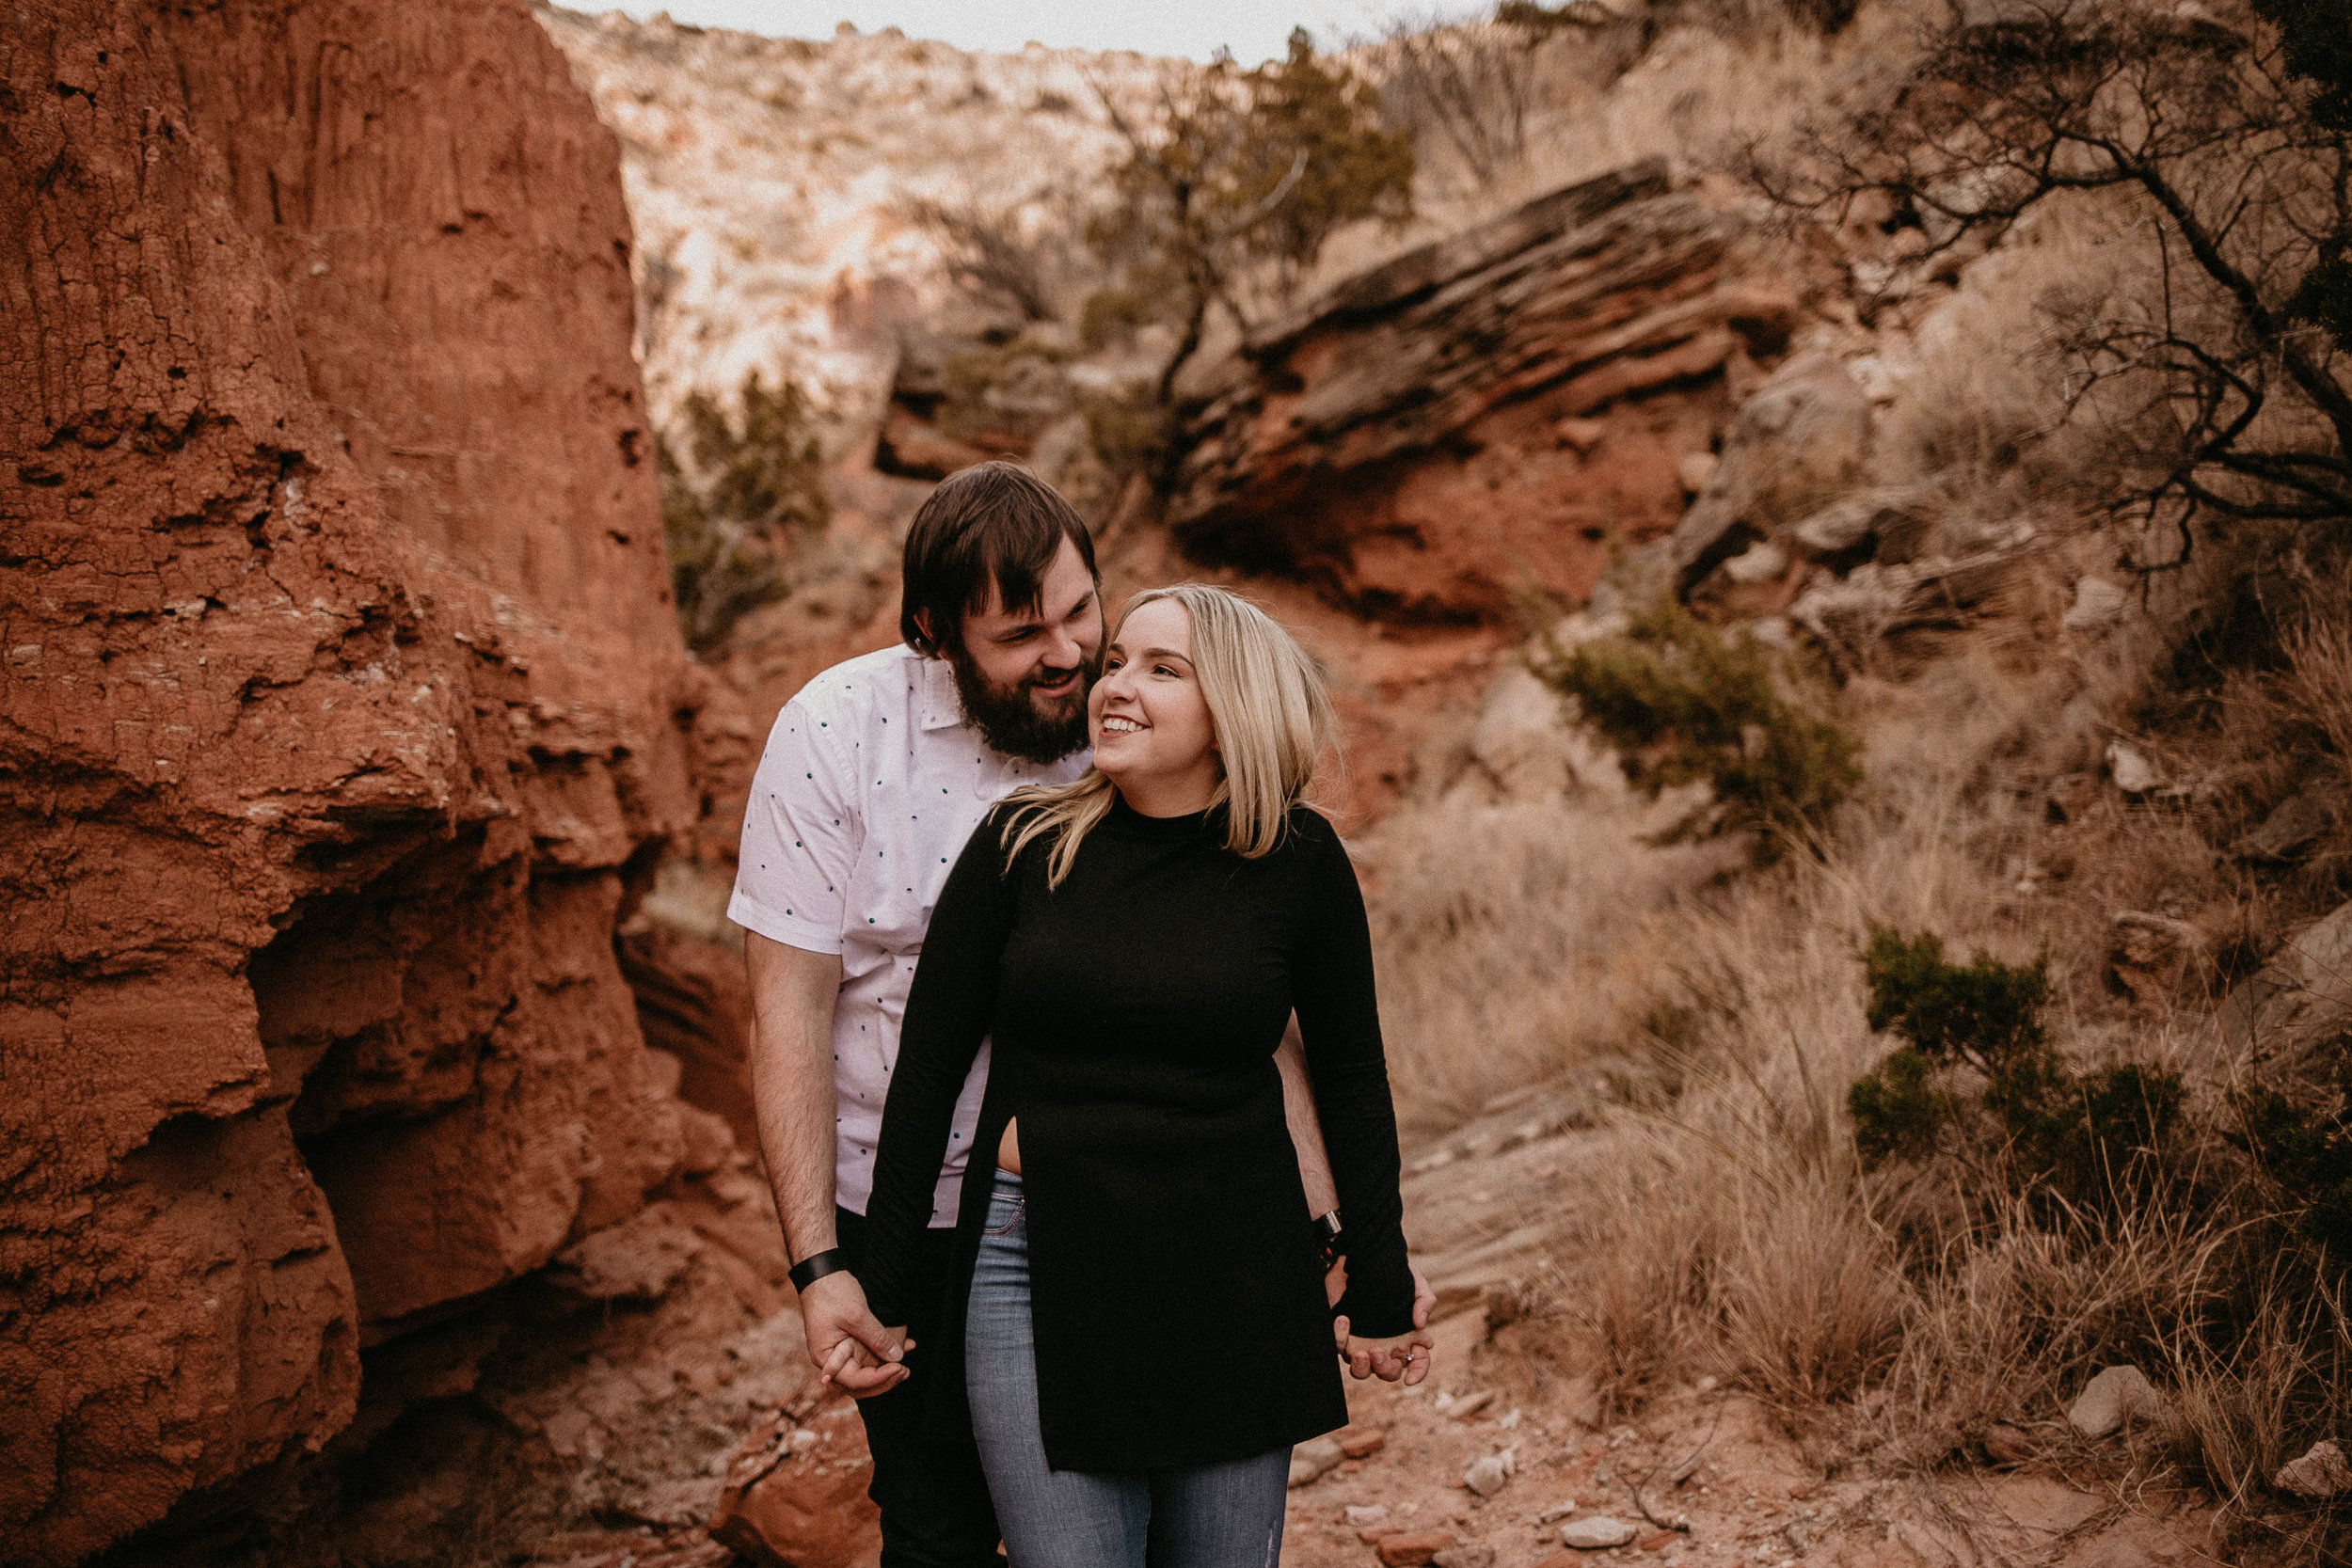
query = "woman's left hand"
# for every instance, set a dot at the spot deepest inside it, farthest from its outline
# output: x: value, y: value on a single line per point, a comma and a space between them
x: 1403, y: 1356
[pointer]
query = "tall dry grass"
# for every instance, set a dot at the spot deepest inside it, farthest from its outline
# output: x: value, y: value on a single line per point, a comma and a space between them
x: 1724, y: 1223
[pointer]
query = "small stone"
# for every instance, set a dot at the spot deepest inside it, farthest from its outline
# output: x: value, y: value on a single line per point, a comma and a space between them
x: 1474, y: 1554
x: 2097, y: 603
x: 1657, y: 1540
x: 1695, y: 470
x: 1489, y: 1475
x: 1313, y: 1458
x: 1760, y: 563
x: 1367, y: 1513
x: 1351, y: 1466
x: 1557, y: 1510
x: 1361, y: 1442
x: 2301, y: 817
x: 2150, y: 955
x: 1596, y: 1534
x: 1580, y: 435
x: 1463, y: 1406
x: 2006, y: 1445
x: 2134, y: 774
x: 2114, y: 1399
x: 2320, y: 1473
x: 1410, y: 1551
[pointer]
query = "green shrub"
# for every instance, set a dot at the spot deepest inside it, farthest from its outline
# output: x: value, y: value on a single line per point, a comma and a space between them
x: 1687, y: 704
x: 2308, y: 1152
x: 1897, y: 1110
x: 1238, y: 179
x: 1984, y: 1013
x: 1007, y: 392
x: 2074, y: 1131
x: 731, y: 505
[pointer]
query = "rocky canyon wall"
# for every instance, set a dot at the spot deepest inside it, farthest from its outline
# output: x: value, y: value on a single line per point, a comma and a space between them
x: 340, y: 699
x: 1495, y: 410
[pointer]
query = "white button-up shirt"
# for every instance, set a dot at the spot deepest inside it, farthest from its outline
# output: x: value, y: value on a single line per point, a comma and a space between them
x: 871, y: 782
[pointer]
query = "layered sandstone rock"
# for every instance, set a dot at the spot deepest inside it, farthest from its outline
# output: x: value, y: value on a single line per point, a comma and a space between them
x: 1497, y: 408
x: 340, y: 687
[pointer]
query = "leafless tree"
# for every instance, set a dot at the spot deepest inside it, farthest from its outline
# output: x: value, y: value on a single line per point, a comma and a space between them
x: 987, y: 252
x: 1467, y: 86
x: 2194, y: 119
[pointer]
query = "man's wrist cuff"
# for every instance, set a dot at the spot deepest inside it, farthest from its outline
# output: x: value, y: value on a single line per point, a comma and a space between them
x: 1327, y: 1238
x: 814, y: 1267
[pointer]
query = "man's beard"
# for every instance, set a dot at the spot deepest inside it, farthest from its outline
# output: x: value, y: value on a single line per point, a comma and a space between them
x: 1009, y: 717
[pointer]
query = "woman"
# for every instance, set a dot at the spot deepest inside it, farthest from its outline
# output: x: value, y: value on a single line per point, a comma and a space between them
x: 1139, y: 1324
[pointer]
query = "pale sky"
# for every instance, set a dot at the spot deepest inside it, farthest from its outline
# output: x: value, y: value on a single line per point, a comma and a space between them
x: 1253, y: 29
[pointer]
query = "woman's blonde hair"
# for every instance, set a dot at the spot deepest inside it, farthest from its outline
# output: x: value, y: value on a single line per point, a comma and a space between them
x: 1267, y: 708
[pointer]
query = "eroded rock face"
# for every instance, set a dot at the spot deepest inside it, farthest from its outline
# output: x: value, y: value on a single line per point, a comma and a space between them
x: 340, y: 686
x: 1502, y: 405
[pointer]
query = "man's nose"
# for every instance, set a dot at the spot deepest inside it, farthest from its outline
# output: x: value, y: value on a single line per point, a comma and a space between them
x: 1063, y: 652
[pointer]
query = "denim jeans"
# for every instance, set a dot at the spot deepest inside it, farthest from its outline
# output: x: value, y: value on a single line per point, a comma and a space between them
x: 1227, y: 1515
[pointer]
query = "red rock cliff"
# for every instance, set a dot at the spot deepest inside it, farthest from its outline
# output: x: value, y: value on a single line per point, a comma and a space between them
x: 339, y: 690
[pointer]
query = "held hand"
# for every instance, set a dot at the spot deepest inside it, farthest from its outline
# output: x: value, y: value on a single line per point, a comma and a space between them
x: 1405, y: 1356
x: 1335, y: 1286
x: 849, y: 1349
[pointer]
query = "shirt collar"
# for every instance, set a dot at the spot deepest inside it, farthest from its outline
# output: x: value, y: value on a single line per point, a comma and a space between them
x: 936, y: 689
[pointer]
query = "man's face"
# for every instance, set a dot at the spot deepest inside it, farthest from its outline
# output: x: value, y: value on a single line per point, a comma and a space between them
x: 1024, y: 675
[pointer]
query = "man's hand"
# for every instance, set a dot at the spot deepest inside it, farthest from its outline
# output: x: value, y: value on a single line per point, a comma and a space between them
x: 1335, y: 1286
x: 849, y: 1349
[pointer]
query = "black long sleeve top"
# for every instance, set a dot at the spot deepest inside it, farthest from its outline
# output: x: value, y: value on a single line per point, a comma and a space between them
x: 1178, y: 1306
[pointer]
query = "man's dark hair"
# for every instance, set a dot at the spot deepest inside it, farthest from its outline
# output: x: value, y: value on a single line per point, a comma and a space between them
x: 994, y: 522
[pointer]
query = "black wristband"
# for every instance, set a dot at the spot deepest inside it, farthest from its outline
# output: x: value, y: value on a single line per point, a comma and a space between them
x: 814, y: 1267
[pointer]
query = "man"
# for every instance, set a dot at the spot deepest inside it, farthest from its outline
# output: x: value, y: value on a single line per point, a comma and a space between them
x: 875, y: 775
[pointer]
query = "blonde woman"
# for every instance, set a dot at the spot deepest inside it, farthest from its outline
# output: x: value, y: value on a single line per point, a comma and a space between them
x: 1138, y: 1319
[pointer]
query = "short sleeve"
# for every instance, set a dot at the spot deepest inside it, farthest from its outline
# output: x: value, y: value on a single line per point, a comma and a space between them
x: 802, y: 833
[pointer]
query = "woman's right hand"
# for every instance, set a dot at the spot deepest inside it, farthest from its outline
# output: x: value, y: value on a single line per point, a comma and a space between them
x: 851, y: 1350
x: 1404, y: 1358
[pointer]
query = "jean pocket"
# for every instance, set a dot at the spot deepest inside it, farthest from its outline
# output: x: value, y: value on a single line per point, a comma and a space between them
x: 1011, y: 1223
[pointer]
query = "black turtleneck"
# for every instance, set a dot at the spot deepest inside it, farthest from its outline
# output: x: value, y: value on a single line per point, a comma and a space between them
x: 1134, y: 1011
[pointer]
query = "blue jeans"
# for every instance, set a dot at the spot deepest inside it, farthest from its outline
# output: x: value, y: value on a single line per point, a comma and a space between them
x: 1227, y: 1515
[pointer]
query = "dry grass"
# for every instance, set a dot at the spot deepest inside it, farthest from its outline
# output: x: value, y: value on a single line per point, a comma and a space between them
x: 1725, y: 1224
x: 1505, y: 937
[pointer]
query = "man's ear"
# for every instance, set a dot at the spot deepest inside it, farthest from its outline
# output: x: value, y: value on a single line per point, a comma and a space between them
x: 922, y: 625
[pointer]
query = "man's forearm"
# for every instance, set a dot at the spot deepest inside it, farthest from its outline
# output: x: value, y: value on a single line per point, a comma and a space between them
x: 1298, y: 1110
x: 792, y: 1087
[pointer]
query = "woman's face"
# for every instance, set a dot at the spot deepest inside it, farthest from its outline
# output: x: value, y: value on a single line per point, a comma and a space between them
x: 1152, y: 735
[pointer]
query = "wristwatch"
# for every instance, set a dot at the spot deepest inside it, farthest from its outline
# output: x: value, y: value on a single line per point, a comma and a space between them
x: 1327, y: 1240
